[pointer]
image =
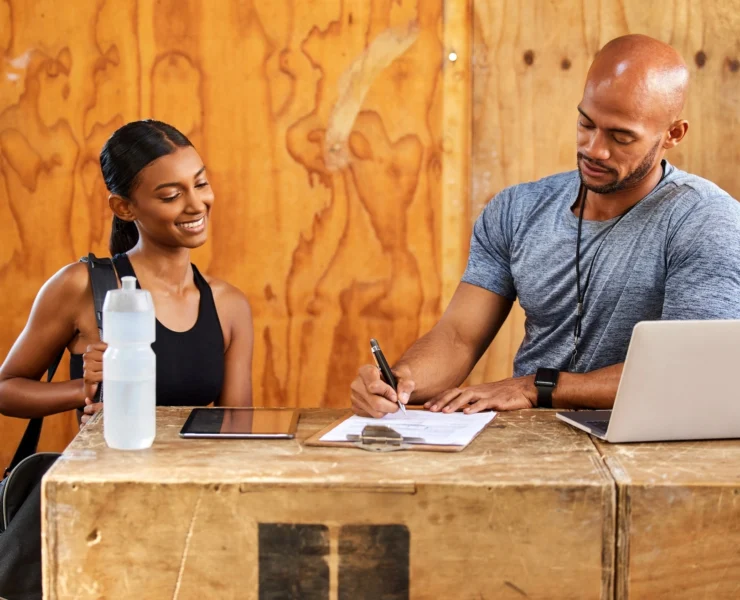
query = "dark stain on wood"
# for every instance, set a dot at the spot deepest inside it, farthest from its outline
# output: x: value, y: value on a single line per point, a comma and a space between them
x: 374, y: 562
x: 529, y: 57
x: 293, y: 561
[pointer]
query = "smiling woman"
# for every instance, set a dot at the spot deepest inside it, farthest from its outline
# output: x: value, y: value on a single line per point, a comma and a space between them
x: 161, y: 201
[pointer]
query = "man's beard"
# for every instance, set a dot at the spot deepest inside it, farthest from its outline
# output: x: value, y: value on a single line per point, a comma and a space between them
x: 637, y: 175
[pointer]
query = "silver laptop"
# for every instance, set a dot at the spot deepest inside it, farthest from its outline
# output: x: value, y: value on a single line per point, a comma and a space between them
x: 681, y: 381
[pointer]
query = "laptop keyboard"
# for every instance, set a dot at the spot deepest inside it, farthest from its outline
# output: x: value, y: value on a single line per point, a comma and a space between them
x: 599, y: 427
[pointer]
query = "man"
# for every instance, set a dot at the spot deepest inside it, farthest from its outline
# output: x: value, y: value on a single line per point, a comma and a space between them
x: 590, y: 253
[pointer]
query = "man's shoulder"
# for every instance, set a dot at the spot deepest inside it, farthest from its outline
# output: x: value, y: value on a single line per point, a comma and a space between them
x: 522, y: 200
x: 695, y: 203
x: 697, y: 190
x: 552, y: 185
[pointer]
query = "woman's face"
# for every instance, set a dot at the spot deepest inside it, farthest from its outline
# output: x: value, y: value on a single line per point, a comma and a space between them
x: 172, y: 200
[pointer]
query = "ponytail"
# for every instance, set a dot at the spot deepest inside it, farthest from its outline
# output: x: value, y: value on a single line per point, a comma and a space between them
x: 123, y: 236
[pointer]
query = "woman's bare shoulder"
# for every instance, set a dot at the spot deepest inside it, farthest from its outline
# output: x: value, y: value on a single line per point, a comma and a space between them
x: 227, y: 295
x: 71, y: 281
x: 63, y: 296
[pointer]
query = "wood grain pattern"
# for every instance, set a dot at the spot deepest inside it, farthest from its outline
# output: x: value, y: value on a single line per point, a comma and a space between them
x: 530, y: 59
x: 64, y: 87
x: 678, y: 533
x: 526, y: 511
x: 328, y: 254
x: 456, y: 122
x: 328, y: 258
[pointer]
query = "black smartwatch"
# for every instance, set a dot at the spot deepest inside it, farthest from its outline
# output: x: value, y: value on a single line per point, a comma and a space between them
x: 545, y: 381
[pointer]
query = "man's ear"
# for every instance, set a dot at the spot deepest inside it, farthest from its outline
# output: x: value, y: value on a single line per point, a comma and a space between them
x: 676, y: 133
x: 121, y: 207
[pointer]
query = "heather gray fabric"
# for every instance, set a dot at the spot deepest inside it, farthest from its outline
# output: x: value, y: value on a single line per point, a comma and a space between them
x: 675, y: 255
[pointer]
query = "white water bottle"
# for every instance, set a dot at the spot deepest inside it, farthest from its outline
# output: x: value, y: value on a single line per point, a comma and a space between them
x: 129, y: 368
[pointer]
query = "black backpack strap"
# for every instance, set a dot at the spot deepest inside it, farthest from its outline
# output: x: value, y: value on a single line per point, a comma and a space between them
x: 102, y: 279
x: 30, y: 440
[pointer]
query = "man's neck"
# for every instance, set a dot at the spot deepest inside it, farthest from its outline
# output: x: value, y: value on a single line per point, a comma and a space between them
x: 602, y: 207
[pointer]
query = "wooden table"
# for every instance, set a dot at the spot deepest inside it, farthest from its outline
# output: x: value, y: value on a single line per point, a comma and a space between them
x: 678, y: 533
x: 527, y: 510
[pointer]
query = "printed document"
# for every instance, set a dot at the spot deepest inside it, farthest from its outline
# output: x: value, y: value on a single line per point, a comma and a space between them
x: 442, y: 429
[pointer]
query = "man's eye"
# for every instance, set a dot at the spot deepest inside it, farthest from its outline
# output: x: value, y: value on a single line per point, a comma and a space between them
x: 585, y: 125
x: 622, y: 140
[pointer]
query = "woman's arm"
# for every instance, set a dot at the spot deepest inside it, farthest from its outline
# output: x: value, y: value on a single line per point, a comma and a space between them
x: 50, y: 327
x: 234, y: 310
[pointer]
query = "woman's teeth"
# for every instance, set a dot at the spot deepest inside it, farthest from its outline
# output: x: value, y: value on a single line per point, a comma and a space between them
x: 193, y: 224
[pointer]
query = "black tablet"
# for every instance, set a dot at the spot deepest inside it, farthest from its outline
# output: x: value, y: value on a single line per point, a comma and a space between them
x: 241, y: 423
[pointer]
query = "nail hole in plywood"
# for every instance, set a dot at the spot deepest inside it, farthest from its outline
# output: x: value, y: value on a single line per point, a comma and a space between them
x: 93, y: 537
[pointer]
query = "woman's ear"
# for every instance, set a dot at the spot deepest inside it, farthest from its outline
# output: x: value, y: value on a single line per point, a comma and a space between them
x: 121, y: 208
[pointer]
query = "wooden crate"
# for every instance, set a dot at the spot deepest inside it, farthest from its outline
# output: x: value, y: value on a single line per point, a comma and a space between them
x: 527, y: 510
x: 678, y: 532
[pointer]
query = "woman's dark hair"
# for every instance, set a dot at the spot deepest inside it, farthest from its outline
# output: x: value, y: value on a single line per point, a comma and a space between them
x: 125, y: 154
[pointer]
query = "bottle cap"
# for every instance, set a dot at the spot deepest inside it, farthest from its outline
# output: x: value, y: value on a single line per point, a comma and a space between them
x: 128, y: 315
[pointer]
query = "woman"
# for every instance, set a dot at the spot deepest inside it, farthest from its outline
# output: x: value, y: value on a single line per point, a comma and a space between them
x: 161, y: 200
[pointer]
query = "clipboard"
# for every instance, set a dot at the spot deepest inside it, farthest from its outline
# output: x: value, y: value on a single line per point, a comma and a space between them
x: 382, y: 443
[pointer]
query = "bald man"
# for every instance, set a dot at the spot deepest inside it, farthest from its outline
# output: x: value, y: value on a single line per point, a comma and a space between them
x: 627, y: 237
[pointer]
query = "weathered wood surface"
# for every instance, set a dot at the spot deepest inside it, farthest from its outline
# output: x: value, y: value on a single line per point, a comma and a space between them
x: 255, y: 85
x: 678, y: 533
x: 530, y: 60
x: 527, y: 509
x: 327, y: 134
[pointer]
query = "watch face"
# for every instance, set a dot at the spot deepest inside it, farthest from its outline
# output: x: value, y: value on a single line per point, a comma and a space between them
x: 546, y: 377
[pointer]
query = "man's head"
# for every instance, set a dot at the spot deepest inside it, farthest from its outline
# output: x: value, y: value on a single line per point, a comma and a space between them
x: 629, y: 115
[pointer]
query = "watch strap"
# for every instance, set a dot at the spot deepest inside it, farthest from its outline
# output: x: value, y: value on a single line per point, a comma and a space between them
x: 544, y: 396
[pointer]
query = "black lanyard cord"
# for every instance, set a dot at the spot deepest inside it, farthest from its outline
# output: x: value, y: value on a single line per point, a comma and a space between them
x: 580, y: 297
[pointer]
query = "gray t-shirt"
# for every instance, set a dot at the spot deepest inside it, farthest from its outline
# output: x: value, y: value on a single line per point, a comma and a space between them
x: 674, y: 255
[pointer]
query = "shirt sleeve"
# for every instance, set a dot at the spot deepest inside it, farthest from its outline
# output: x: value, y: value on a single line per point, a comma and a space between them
x: 489, y: 262
x: 703, y: 263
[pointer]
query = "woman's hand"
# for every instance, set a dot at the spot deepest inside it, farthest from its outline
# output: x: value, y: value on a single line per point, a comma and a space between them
x: 92, y: 369
x: 91, y: 408
x: 92, y: 376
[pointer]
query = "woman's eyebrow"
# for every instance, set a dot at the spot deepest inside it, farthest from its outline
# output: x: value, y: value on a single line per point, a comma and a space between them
x: 164, y: 185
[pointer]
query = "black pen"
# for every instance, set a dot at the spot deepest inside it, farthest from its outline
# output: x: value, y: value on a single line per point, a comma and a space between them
x: 385, y: 370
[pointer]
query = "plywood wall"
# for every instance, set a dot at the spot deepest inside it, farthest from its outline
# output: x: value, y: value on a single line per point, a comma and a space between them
x: 321, y: 123
x: 530, y: 58
x: 336, y: 134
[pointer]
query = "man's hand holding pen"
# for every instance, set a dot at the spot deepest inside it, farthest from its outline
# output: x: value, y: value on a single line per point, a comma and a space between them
x: 373, y: 397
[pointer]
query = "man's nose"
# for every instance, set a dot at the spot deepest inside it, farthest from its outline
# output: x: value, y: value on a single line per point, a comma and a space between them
x: 597, y: 147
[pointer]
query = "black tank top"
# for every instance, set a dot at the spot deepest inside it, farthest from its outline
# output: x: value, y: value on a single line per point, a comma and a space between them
x: 190, y: 364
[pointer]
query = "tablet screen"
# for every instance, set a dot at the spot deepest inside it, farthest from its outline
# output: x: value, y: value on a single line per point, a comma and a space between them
x: 241, y: 422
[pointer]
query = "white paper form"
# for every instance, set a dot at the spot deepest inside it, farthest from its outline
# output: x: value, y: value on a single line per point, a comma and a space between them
x: 442, y: 429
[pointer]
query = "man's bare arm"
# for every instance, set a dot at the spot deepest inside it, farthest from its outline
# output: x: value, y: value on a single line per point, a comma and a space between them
x: 596, y: 389
x: 441, y: 359
x: 444, y: 357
